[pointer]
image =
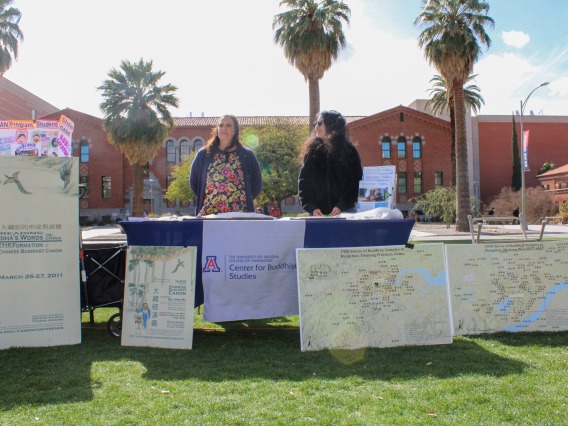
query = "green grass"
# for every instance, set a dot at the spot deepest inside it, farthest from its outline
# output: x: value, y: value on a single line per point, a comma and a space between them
x: 254, y: 373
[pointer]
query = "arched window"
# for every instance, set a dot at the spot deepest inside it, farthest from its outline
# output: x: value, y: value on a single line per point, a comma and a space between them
x: 170, y: 151
x: 198, y: 144
x: 184, y: 149
x: 386, y: 147
x: 84, y: 147
x: 417, y: 147
x: 401, y: 145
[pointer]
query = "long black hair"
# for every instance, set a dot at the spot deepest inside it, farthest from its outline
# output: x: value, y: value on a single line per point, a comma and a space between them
x: 336, y: 127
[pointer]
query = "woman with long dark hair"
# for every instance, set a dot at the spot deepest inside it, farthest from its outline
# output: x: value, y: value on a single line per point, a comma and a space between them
x: 225, y: 175
x: 331, y: 168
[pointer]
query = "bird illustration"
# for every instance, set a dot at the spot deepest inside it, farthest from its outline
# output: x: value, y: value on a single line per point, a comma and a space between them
x: 180, y: 263
x: 14, y: 179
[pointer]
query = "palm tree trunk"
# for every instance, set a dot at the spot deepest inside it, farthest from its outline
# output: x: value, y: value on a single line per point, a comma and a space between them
x: 313, y: 85
x: 137, y: 190
x: 462, y: 174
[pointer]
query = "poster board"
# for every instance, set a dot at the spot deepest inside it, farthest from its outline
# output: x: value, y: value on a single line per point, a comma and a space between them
x: 40, y: 138
x: 509, y: 286
x: 39, y: 252
x: 158, y: 297
x: 373, y: 297
x: 377, y: 189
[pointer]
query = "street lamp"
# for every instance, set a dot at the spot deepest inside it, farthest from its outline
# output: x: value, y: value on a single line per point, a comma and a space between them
x: 151, y: 199
x: 523, y: 105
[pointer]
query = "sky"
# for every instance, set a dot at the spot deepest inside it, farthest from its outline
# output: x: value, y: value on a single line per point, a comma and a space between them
x: 221, y: 56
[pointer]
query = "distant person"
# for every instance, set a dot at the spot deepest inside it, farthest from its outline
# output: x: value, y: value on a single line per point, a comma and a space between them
x: 225, y: 175
x: 517, y: 214
x: 328, y: 183
x: 259, y: 210
x: 275, y: 210
x: 491, y: 211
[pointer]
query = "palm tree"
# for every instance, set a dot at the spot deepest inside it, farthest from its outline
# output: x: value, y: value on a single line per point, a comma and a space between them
x: 136, y: 116
x: 442, y: 99
x: 451, y: 41
x: 10, y: 35
x: 311, y: 34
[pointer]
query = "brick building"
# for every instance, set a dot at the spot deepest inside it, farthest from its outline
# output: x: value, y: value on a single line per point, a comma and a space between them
x: 410, y: 138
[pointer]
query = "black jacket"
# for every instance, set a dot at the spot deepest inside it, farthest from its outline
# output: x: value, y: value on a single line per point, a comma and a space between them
x: 330, y: 179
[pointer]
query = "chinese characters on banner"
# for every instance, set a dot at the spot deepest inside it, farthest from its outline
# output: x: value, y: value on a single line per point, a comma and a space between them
x: 42, y: 138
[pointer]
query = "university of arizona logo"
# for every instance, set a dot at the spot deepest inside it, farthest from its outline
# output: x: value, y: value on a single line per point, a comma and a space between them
x: 211, y: 264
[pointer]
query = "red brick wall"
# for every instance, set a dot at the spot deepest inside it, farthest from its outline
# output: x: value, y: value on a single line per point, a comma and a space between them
x: 548, y: 142
x: 368, y: 133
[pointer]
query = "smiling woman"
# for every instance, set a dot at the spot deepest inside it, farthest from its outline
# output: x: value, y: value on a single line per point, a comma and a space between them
x: 225, y: 175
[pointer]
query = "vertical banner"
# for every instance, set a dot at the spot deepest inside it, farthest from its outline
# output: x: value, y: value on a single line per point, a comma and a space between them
x: 39, y: 252
x: 249, y: 268
x: 526, y: 150
x: 158, y: 297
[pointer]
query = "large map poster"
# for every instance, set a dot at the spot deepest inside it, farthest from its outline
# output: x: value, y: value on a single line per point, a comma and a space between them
x: 159, y: 297
x: 509, y: 286
x: 373, y: 297
x: 39, y: 251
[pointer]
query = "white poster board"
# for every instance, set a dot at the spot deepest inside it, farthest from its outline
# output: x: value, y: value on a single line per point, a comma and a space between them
x: 249, y: 268
x: 39, y: 252
x: 373, y: 297
x: 509, y: 286
x: 159, y: 297
x: 377, y: 189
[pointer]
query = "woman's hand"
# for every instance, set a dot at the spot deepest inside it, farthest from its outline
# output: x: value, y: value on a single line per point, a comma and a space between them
x: 317, y: 212
x: 335, y: 211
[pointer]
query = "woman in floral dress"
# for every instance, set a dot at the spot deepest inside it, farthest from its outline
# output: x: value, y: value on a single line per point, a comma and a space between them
x: 225, y: 175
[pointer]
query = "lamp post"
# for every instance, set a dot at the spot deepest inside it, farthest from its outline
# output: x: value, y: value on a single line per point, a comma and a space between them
x: 151, y: 199
x: 523, y: 105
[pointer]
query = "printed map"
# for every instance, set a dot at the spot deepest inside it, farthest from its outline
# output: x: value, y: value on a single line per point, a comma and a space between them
x: 373, y: 297
x: 509, y: 287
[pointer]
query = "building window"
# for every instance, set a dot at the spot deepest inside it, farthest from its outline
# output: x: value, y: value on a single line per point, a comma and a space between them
x: 438, y: 179
x: 198, y: 144
x: 84, y: 147
x: 106, y: 187
x: 401, y: 147
x: 184, y: 150
x: 402, y: 183
x: 386, y: 145
x: 170, y: 152
x: 417, y: 148
x: 418, y: 183
x: 84, y: 186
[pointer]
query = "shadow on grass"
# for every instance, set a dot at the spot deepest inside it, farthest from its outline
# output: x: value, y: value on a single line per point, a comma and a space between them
x: 521, y: 339
x: 63, y: 374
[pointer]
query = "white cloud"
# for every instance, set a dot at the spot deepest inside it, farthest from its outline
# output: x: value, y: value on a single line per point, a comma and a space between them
x: 516, y: 39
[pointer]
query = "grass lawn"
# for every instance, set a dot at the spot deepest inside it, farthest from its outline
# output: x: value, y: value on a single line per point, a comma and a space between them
x: 254, y: 373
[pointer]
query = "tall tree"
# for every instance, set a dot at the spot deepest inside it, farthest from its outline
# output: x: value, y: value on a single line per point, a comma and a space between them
x: 453, y: 32
x: 311, y: 34
x: 442, y: 99
x: 516, y: 180
x: 10, y: 35
x: 136, y: 116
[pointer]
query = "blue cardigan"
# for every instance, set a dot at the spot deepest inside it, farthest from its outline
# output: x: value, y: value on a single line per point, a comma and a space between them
x: 251, y: 171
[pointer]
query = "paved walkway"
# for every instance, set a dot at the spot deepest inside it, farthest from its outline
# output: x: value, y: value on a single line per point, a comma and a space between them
x: 420, y: 232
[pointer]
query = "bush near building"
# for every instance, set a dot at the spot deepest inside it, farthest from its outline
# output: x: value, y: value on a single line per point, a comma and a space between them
x: 538, y: 203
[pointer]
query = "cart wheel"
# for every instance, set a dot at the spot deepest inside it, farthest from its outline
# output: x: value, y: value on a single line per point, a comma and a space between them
x: 114, y: 325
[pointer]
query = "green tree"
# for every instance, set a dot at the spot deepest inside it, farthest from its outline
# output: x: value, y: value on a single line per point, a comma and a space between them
x: 10, y: 35
x: 179, y: 188
x: 311, y: 34
x: 516, y: 183
x: 453, y: 31
x: 439, y: 203
x: 277, y: 148
x: 136, y: 116
x: 546, y: 167
x: 442, y: 100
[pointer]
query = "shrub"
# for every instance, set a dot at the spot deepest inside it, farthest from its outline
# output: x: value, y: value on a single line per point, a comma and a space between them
x: 563, y: 213
x: 538, y: 203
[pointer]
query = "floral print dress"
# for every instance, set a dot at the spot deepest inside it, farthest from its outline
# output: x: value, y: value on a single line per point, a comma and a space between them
x: 225, y: 190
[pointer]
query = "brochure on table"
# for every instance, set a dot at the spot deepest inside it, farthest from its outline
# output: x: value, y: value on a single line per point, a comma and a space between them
x: 377, y: 189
